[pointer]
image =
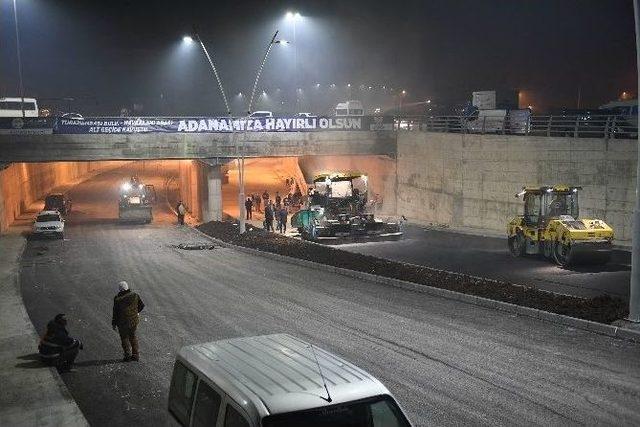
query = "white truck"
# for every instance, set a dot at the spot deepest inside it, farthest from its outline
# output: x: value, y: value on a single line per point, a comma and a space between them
x: 498, y: 121
x: 349, y: 108
x: 14, y: 107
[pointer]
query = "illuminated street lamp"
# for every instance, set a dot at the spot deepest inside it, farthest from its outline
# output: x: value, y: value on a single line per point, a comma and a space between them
x: 187, y: 39
x: 400, y: 99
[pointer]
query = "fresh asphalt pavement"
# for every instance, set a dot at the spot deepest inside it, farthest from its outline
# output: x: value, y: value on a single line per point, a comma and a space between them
x: 489, y: 257
x: 448, y: 363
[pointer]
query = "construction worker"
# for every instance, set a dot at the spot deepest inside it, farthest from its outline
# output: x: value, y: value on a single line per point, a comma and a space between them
x: 57, y: 347
x: 282, y: 219
x: 181, y: 210
x: 126, y: 306
x: 248, y: 206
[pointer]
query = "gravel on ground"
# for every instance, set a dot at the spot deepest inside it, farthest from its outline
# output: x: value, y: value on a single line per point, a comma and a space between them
x: 603, y: 309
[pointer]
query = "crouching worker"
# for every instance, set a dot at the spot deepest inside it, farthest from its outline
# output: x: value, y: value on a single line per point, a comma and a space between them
x: 57, y: 348
x: 126, y: 306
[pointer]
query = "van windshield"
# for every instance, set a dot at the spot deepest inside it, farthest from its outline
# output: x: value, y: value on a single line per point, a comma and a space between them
x: 47, y: 218
x: 380, y: 411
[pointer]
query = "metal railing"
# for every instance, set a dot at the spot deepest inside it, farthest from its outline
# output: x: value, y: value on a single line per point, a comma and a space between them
x: 576, y: 126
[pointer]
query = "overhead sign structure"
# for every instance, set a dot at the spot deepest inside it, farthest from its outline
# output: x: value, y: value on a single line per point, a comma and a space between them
x: 484, y: 100
x: 135, y: 125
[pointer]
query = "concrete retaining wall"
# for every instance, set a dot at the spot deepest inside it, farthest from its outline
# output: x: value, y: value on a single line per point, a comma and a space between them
x: 22, y: 185
x: 470, y: 180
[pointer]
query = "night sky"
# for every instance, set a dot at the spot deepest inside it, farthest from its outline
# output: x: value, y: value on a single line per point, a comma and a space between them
x: 112, y: 54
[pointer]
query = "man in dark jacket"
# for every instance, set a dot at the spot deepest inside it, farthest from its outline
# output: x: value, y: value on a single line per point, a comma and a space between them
x: 282, y: 219
x: 248, y: 206
x: 126, y: 306
x: 57, y: 347
x: 268, y: 216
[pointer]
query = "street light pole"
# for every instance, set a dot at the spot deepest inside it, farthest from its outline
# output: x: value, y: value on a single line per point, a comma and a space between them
x: 215, y: 71
x: 241, y: 195
x: 634, y: 290
x: 21, y: 88
x: 224, y: 96
x: 295, y: 62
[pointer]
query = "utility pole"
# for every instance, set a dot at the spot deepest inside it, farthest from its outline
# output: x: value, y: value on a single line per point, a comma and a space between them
x: 21, y: 87
x: 634, y: 290
x: 579, y: 97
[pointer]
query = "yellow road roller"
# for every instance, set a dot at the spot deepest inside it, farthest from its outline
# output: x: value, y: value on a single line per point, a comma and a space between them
x: 551, y: 226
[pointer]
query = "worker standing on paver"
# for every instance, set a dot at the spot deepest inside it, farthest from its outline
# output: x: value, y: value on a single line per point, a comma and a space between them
x: 126, y: 306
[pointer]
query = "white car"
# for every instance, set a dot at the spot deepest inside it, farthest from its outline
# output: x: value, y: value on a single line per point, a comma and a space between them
x: 261, y: 114
x: 49, y: 223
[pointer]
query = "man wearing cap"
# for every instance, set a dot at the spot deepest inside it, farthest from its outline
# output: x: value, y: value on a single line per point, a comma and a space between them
x: 57, y: 347
x: 126, y: 306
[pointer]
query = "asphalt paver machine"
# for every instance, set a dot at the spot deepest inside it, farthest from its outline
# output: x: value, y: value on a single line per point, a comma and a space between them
x: 337, y: 209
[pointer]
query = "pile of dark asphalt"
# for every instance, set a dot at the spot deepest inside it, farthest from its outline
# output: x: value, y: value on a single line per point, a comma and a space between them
x: 603, y: 309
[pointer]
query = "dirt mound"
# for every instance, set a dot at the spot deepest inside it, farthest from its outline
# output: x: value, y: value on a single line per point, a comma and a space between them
x: 604, y: 309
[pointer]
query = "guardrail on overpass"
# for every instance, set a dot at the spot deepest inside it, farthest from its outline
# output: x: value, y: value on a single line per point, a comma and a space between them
x: 43, y: 139
x: 577, y: 126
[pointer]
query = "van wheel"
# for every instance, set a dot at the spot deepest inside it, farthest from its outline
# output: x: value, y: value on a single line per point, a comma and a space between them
x: 60, y: 236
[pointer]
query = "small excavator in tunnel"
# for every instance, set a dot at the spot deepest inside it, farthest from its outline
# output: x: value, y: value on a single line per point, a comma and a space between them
x: 551, y: 226
x: 135, y: 202
x: 337, y: 209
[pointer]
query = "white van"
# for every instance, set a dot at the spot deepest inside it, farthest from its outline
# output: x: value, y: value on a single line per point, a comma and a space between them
x: 11, y: 107
x: 350, y: 108
x: 261, y: 114
x: 276, y: 381
x: 495, y: 121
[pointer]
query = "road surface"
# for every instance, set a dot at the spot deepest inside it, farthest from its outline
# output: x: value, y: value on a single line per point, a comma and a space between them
x: 489, y: 257
x: 448, y: 363
x: 476, y: 255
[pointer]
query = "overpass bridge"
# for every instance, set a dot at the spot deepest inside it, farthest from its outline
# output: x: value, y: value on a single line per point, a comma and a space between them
x: 43, y: 140
x: 60, y: 147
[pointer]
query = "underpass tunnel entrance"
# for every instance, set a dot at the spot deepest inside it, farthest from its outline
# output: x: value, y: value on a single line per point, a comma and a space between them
x: 93, y: 190
x: 208, y: 189
x: 276, y: 176
x: 198, y: 181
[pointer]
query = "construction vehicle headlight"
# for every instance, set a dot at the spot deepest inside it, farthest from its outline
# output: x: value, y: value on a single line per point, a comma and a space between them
x: 140, y: 186
x: 126, y: 186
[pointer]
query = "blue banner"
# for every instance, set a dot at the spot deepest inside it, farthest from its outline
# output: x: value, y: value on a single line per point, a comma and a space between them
x: 132, y: 125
